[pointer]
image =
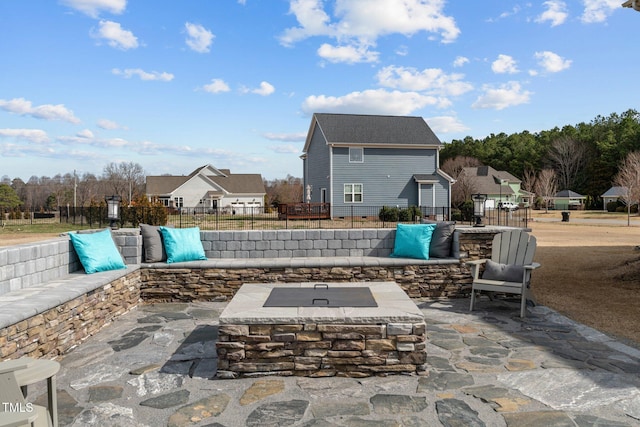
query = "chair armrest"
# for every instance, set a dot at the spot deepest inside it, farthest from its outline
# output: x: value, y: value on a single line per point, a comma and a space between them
x: 532, y: 266
x: 14, y: 365
x: 475, y: 267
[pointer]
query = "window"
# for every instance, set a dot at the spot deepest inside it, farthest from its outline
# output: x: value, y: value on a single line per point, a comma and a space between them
x: 356, y: 155
x: 353, y: 193
x: 177, y: 202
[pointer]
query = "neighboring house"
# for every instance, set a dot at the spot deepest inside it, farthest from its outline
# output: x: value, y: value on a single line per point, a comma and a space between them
x: 374, y: 161
x: 612, y: 195
x: 210, y: 189
x: 567, y: 199
x: 498, y: 186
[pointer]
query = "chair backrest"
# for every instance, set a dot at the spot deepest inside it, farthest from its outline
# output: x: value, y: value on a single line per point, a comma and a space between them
x: 513, y: 247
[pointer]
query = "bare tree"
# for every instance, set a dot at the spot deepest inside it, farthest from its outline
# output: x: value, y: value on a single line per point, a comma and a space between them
x: 465, y: 185
x: 124, y: 179
x: 546, y: 186
x: 568, y: 157
x: 287, y: 190
x: 628, y: 178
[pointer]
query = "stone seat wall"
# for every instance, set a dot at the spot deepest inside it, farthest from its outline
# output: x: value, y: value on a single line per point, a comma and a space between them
x: 48, y: 305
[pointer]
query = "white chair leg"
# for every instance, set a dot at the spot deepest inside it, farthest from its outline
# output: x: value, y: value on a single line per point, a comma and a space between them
x: 473, y: 299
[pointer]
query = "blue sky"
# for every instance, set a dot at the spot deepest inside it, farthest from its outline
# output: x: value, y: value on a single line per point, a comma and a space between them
x: 174, y: 85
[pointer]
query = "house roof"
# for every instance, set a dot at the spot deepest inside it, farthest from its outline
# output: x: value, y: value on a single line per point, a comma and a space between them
x: 635, y: 4
x: 568, y: 194
x: 487, y: 180
x: 373, y: 130
x: 615, y: 192
x: 242, y: 183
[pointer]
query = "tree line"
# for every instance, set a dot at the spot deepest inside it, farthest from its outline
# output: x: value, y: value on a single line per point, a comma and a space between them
x: 125, y: 180
x: 587, y: 158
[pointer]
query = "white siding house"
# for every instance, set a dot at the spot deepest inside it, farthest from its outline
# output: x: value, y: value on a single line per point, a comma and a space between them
x: 210, y: 189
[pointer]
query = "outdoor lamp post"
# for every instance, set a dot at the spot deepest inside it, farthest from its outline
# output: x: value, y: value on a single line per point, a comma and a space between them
x: 113, y: 205
x: 478, y: 208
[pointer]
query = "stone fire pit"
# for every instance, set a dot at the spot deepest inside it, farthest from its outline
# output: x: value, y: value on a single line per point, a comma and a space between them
x: 322, y: 338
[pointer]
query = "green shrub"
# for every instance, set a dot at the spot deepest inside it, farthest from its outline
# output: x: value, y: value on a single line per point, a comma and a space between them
x: 388, y: 214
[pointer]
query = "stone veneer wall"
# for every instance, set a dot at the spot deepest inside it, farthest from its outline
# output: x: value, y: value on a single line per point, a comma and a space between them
x: 321, y: 350
x: 221, y: 284
x: 56, y: 331
x: 435, y: 280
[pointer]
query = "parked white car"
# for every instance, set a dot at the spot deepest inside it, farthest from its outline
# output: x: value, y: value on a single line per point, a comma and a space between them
x: 507, y: 206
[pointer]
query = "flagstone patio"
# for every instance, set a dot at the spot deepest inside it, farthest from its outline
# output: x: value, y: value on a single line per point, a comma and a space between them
x: 154, y: 367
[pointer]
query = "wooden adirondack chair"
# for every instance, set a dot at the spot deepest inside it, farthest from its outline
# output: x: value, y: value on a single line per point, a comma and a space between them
x: 14, y: 409
x: 514, y: 251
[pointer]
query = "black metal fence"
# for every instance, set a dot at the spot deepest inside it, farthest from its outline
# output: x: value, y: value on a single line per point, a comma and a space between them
x: 212, y: 219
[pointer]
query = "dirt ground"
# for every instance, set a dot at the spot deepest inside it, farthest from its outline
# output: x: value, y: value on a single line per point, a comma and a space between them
x: 590, y: 273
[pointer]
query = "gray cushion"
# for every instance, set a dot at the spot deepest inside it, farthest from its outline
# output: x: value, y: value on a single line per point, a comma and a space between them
x: 441, y: 239
x: 153, y: 249
x: 503, y: 272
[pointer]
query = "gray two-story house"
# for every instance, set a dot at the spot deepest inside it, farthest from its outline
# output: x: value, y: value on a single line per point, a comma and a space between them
x: 352, y: 160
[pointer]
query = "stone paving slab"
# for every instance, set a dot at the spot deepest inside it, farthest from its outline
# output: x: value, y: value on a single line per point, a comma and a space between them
x: 153, y: 367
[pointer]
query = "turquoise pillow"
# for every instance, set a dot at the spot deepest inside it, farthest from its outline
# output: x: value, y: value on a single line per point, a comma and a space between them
x: 413, y: 240
x: 182, y: 244
x: 97, y: 251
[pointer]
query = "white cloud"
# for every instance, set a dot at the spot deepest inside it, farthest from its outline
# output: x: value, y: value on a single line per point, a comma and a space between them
x: 199, y: 39
x: 265, y: 89
x: 350, y: 54
x: 287, y: 137
x: 284, y: 149
x: 507, y: 95
x: 556, y: 13
x: 552, y: 62
x: 446, y: 124
x: 109, y: 125
x: 144, y: 75
x: 46, y: 111
x: 32, y: 135
x: 216, y: 86
x: 361, y: 22
x: 115, y: 35
x: 514, y: 11
x: 504, y: 64
x: 86, y: 133
x: 598, y: 10
x: 432, y: 80
x: 379, y: 101
x: 460, y: 61
x: 93, y: 7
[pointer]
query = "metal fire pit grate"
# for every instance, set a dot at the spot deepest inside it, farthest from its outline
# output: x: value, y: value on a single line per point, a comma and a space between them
x: 321, y: 295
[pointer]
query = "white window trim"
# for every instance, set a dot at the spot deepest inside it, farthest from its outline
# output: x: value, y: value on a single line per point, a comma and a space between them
x: 361, y: 157
x: 353, y: 193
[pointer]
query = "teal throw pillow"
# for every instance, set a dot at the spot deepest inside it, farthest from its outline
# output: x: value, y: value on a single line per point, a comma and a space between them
x: 413, y: 240
x: 182, y: 244
x: 97, y: 251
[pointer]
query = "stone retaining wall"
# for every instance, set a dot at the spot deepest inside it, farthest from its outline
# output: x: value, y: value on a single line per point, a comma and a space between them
x: 58, y: 330
x: 321, y: 350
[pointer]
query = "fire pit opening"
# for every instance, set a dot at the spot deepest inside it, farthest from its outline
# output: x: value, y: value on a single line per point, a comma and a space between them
x: 321, y: 295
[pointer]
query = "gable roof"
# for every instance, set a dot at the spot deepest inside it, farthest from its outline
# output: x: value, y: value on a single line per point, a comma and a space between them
x: 243, y: 183
x: 487, y: 180
x: 373, y: 130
